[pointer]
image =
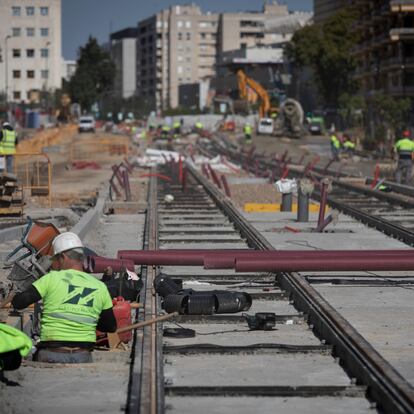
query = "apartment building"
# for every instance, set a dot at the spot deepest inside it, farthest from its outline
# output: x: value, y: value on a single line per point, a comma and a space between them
x: 182, y: 45
x: 123, y: 52
x: 30, y: 42
x: 174, y: 47
x: 327, y: 8
x: 385, y: 53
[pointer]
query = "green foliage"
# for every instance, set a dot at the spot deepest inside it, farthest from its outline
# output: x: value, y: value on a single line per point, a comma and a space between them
x: 325, y: 48
x: 393, y: 112
x: 352, y: 109
x: 181, y: 111
x: 94, y: 75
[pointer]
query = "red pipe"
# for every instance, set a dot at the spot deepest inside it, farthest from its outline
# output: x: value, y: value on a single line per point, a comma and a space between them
x: 97, y: 264
x: 205, y: 257
x: 328, y: 264
x: 285, y: 173
x: 180, y: 170
x: 376, y: 176
x: 226, y: 186
x: 214, y: 176
x: 163, y: 177
x: 322, y: 205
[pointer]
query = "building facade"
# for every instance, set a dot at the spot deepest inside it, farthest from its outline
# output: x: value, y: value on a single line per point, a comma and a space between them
x: 30, y: 42
x: 183, y: 46
x: 385, y: 53
x: 123, y: 53
x: 324, y: 9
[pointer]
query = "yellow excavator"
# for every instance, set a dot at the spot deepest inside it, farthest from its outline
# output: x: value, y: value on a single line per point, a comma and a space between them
x: 251, y: 90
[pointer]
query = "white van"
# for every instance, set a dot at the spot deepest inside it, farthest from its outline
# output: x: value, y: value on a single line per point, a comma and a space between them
x: 86, y: 124
x: 265, y: 126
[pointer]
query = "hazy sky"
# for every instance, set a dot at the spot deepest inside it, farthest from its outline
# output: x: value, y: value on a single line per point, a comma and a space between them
x: 81, y: 18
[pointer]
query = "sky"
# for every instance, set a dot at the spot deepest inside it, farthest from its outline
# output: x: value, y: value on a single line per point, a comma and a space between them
x: 81, y: 18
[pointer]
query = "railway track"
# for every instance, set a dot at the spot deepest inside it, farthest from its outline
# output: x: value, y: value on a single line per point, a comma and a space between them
x: 391, y: 213
x: 311, y: 357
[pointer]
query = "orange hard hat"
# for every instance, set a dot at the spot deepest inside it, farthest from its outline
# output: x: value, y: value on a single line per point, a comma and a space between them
x: 406, y: 133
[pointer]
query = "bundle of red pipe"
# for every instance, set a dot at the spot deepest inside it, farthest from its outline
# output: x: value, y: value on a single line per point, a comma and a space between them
x: 247, y: 260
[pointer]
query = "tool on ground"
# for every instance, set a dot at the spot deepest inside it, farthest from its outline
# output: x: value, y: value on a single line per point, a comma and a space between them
x: 261, y: 321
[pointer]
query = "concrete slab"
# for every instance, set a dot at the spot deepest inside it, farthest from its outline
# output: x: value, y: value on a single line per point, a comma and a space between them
x: 276, y: 369
x: 268, y: 405
x: 239, y: 334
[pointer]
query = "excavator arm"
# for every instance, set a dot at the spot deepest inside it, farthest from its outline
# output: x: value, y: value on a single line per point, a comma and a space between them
x: 243, y: 82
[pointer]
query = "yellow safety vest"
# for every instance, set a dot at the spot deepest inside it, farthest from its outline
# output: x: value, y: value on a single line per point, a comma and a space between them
x: 8, y: 143
x: 335, y: 142
x: 12, y: 339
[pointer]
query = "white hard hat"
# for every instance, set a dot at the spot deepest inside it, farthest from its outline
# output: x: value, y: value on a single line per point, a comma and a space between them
x: 66, y: 241
x: 169, y: 198
x: 6, y: 124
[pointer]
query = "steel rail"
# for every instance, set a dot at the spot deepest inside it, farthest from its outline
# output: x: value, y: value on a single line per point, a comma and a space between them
x: 361, y: 361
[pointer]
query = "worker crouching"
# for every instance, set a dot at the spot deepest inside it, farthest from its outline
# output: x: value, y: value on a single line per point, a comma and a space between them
x: 75, y: 304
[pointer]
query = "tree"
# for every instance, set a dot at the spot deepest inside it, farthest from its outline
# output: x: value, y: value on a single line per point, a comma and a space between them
x: 94, y: 76
x: 325, y: 48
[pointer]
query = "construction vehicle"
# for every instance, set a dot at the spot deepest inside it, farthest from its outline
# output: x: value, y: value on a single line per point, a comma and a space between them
x: 290, y: 120
x: 251, y: 90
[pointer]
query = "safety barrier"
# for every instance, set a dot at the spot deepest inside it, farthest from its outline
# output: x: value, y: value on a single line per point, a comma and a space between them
x: 34, y: 173
x: 107, y: 149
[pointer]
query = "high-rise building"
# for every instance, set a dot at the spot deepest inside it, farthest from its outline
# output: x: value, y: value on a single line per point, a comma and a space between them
x: 30, y: 42
x: 183, y: 46
x: 385, y: 53
x: 326, y: 8
x: 174, y: 47
x: 123, y: 53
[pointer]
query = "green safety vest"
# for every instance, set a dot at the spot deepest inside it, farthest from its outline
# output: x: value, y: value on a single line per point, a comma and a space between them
x: 165, y: 128
x: 247, y: 129
x: 199, y: 125
x: 335, y: 142
x: 8, y: 143
x: 144, y: 134
x: 12, y: 339
x: 177, y: 125
x: 349, y: 144
x: 72, y: 303
x: 405, y: 146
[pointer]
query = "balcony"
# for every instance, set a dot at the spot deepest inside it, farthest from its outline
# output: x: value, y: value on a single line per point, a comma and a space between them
x: 401, y: 91
x: 403, y: 33
x: 402, y: 6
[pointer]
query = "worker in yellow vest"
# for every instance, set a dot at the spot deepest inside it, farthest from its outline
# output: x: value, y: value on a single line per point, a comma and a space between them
x: 177, y: 128
x: 247, y: 129
x: 335, y: 146
x: 404, y: 149
x: 348, y: 145
x: 8, y: 142
x: 14, y: 344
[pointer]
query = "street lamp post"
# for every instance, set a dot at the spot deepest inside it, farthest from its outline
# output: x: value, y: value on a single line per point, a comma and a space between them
x: 6, y: 67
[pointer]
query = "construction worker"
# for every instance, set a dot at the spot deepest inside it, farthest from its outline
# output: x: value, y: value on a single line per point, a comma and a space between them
x: 177, y: 128
x: 198, y: 126
x: 404, y: 148
x: 8, y: 142
x: 14, y: 344
x: 247, y: 129
x: 348, y: 145
x: 165, y: 131
x: 75, y: 304
x: 335, y: 146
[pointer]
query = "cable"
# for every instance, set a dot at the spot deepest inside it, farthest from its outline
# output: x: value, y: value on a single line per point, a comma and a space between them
x: 211, y: 333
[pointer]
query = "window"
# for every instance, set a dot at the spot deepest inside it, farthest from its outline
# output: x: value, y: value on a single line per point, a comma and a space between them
x: 16, y: 74
x: 30, y: 53
x: 30, y: 32
x: 203, y: 35
x: 44, y: 53
x: 16, y: 11
x: 179, y: 70
x: 179, y: 58
x: 16, y: 95
x: 44, y: 31
x: 16, y: 53
x: 30, y: 11
x: 188, y: 25
x: 179, y: 24
x: 30, y: 74
x: 180, y: 36
x: 44, y: 11
x: 16, y: 31
x: 188, y: 36
x: 44, y: 74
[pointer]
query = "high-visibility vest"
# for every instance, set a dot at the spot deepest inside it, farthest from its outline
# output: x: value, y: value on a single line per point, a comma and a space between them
x: 165, y: 128
x: 8, y: 143
x: 12, y: 339
x: 247, y: 129
x: 405, y: 147
x: 177, y: 125
x: 349, y: 145
x: 199, y: 125
x: 335, y: 142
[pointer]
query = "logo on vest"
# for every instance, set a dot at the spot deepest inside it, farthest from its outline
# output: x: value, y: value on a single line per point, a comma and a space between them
x: 79, y: 295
